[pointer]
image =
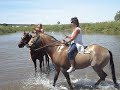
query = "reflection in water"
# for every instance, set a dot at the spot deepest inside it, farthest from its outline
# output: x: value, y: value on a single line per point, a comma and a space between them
x: 17, y: 72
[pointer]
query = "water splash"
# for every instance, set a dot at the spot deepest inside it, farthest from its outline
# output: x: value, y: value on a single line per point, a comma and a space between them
x: 43, y: 82
x: 85, y: 83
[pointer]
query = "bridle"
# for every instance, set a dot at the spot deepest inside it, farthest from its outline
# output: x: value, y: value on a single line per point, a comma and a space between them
x: 25, y: 42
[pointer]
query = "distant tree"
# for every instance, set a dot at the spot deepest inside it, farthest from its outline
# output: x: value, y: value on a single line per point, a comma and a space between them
x: 117, y: 16
x: 58, y: 22
x: 5, y: 24
x: 32, y: 24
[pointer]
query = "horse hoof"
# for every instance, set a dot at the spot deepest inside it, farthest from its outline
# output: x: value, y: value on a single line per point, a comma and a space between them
x: 54, y: 85
x: 117, y: 86
x: 97, y: 83
x: 96, y: 86
x: 72, y: 88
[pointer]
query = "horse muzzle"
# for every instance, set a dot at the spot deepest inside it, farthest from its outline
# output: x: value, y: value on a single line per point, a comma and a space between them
x: 29, y: 46
x: 20, y: 45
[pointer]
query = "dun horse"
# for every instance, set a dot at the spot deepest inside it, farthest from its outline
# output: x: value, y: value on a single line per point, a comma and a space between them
x: 97, y: 59
x: 34, y: 54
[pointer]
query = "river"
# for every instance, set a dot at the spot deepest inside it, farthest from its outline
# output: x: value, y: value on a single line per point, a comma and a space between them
x: 17, y: 72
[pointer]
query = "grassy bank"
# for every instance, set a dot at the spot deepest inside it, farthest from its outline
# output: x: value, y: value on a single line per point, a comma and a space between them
x: 102, y: 27
x: 13, y: 29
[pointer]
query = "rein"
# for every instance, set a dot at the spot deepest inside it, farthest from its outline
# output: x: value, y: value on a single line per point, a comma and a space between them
x: 49, y: 45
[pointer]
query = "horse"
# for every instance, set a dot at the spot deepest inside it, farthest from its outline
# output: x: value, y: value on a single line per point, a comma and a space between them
x: 98, y: 58
x: 39, y: 54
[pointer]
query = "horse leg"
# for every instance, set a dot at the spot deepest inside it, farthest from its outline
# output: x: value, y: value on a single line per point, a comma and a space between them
x: 57, y: 71
x: 67, y: 78
x: 42, y: 58
x: 47, y: 60
x: 100, y: 73
x: 41, y: 61
x: 34, y: 61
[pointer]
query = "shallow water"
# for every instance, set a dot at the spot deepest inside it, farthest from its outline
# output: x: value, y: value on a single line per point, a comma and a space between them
x: 17, y: 72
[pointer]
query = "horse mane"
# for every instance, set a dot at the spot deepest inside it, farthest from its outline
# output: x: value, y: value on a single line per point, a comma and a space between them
x: 50, y: 36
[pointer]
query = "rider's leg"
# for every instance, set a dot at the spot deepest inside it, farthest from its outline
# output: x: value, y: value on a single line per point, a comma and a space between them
x: 72, y: 68
x: 71, y: 55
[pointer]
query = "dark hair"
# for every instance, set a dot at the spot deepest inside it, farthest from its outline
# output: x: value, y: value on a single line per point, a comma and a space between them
x: 39, y: 25
x: 75, y: 21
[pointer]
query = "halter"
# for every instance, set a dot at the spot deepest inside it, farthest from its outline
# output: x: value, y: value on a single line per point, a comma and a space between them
x: 25, y: 42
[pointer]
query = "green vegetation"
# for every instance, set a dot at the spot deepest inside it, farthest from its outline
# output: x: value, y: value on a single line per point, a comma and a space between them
x: 117, y: 16
x: 11, y: 29
x: 102, y: 27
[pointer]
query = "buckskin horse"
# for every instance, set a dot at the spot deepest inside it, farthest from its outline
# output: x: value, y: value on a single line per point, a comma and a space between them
x: 98, y: 58
x: 34, y: 54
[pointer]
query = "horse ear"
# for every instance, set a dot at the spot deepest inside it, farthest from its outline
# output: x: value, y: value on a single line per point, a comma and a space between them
x: 25, y: 32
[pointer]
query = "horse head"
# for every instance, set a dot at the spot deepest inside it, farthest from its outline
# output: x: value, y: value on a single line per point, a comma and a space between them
x: 24, y: 39
x: 35, y: 42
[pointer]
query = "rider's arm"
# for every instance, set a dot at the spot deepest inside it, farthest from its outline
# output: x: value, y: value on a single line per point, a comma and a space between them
x: 74, y: 35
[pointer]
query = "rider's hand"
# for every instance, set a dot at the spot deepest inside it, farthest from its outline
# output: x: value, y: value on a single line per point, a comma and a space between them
x: 63, y: 41
x: 67, y: 43
x: 66, y: 36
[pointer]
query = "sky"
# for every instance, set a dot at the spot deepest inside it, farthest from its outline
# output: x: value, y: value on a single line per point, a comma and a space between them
x: 52, y: 11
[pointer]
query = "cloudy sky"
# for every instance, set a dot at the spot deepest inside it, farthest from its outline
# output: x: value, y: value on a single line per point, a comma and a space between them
x: 52, y: 11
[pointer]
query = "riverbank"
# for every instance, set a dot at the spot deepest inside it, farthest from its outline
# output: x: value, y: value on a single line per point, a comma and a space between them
x: 100, y: 27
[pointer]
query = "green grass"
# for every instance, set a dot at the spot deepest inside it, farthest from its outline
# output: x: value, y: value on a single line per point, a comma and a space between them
x: 102, y: 27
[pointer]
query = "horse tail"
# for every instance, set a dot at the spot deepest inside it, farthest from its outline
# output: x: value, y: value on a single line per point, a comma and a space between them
x: 112, y: 68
